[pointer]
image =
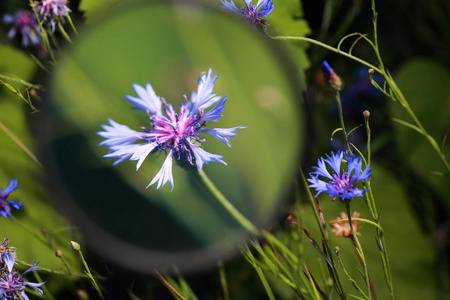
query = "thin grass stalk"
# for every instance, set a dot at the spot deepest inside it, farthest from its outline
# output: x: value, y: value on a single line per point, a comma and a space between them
x: 324, y: 232
x: 359, y: 250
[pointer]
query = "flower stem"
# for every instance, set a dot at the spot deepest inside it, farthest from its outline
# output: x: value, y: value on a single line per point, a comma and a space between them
x: 324, y: 232
x: 341, y: 119
x: 240, y: 218
x: 359, y: 251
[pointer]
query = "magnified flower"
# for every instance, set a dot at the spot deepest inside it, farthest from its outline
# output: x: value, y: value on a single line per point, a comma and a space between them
x: 6, y: 205
x: 51, y: 11
x: 337, y: 184
x: 24, y: 23
x: 343, y: 228
x: 177, y: 133
x: 252, y: 12
x: 12, y: 285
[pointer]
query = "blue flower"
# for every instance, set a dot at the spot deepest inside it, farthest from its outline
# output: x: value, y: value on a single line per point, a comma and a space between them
x: 25, y: 24
x: 337, y: 184
x: 51, y: 11
x: 12, y: 285
x: 252, y: 12
x: 177, y: 133
x: 6, y: 205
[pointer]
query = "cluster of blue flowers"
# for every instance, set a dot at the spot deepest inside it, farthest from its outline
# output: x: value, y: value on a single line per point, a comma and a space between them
x: 25, y: 24
x: 12, y: 284
x: 177, y: 133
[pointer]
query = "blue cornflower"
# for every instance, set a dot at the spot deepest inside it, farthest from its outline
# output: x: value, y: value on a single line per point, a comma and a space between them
x: 174, y: 132
x: 6, y: 205
x: 339, y: 185
x: 51, y: 11
x: 252, y: 12
x: 12, y: 285
x: 24, y: 23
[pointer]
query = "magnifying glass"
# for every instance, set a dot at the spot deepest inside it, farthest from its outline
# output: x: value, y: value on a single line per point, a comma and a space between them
x: 168, y: 45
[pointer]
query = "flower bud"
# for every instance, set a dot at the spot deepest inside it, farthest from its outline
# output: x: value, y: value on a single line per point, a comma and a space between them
x: 336, y: 250
x: 75, y: 246
x: 331, y: 77
x: 366, y: 114
x: 58, y: 253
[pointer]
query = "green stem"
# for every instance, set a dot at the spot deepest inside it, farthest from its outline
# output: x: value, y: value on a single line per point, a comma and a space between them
x: 240, y: 218
x: 323, y: 45
x: 22, y: 263
x: 88, y: 272
x: 341, y: 120
x: 359, y: 250
x: 324, y: 232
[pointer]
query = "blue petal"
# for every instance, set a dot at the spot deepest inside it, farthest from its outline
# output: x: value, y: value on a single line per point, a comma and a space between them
x: 326, y: 69
x: 9, y: 259
x: 334, y: 161
x: 147, y: 99
x: 230, y: 6
x: 11, y: 187
x: 321, y: 169
x: 36, y: 286
x: 265, y: 7
x: 165, y: 174
x: 319, y: 185
x: 133, y: 152
x: 203, y: 98
x: 214, y: 114
x: 34, y: 267
x: 15, y: 205
x: 118, y: 135
x: 365, y: 175
x: 223, y: 133
x: 201, y: 156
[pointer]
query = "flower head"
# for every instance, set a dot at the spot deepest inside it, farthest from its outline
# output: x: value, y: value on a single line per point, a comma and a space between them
x: 339, y: 184
x: 12, y: 285
x: 343, y: 228
x: 175, y: 133
x: 24, y: 23
x: 6, y: 205
x: 51, y: 11
x: 252, y: 12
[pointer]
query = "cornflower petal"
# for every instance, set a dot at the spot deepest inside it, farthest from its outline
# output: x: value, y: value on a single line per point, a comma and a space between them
x: 165, y: 174
x: 334, y: 161
x: 222, y: 133
x: 231, y: 6
x: 9, y: 259
x: 118, y: 134
x: 203, y: 98
x: 322, y: 169
x: 147, y: 99
x: 10, y: 187
x: 201, y: 156
x: 6, y: 205
x: 214, y: 114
